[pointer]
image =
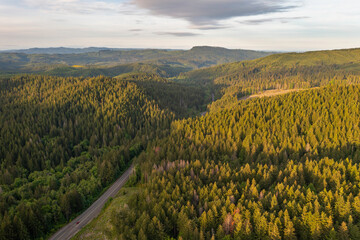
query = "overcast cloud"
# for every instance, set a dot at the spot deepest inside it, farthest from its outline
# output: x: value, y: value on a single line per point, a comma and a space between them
x: 209, y: 12
x: 267, y: 20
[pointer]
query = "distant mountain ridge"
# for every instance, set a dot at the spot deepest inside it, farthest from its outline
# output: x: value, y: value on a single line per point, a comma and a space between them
x: 340, y: 60
x: 46, y: 59
x: 231, y: 81
x: 63, y: 50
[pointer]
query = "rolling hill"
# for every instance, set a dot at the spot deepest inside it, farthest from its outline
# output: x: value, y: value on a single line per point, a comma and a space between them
x: 60, y: 50
x: 279, y: 71
x: 93, y: 71
x: 339, y: 60
x: 194, y: 58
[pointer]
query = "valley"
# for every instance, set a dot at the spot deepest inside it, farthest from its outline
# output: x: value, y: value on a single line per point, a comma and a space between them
x: 266, y: 148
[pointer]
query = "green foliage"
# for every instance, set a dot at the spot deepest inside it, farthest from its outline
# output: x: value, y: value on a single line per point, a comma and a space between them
x: 285, y: 167
x: 100, y: 227
x: 182, y: 99
x: 62, y: 141
x: 112, y: 71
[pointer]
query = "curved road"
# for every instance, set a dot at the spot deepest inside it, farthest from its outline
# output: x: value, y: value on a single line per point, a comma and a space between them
x: 78, y: 223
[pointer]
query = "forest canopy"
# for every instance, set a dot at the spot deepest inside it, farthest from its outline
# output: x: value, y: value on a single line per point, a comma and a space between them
x: 285, y: 167
x: 281, y: 167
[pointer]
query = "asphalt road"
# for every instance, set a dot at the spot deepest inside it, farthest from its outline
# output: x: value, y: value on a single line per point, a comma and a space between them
x: 78, y: 223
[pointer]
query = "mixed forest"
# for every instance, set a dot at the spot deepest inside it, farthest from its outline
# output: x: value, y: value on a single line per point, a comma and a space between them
x: 209, y: 165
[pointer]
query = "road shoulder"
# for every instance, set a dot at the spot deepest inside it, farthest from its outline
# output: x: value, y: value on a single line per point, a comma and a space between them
x: 101, y: 227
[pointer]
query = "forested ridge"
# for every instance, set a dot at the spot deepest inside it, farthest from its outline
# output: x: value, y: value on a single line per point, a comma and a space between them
x: 63, y: 140
x: 340, y: 60
x: 285, y: 167
x: 113, y: 71
x: 184, y: 100
x: 231, y: 81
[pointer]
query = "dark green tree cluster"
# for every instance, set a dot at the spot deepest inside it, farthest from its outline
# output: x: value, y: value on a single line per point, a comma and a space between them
x: 285, y: 167
x: 182, y: 99
x: 316, y: 123
x: 62, y: 141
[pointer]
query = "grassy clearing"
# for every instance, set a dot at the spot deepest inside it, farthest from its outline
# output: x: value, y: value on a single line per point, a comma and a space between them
x: 78, y: 66
x: 274, y: 92
x: 101, y: 227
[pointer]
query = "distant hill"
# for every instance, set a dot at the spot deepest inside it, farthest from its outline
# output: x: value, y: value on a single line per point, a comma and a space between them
x: 62, y: 50
x: 92, y: 71
x: 347, y: 59
x: 197, y: 57
x: 226, y: 53
x: 279, y: 71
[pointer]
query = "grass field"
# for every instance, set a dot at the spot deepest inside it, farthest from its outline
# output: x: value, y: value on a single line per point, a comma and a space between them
x: 100, y: 227
x: 270, y: 93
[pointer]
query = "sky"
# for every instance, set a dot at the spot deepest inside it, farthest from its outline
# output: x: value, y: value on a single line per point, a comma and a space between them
x: 279, y: 25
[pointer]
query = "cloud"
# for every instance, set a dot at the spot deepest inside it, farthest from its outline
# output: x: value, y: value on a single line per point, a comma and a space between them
x: 76, y: 6
x: 135, y: 30
x: 209, y: 12
x: 210, y: 27
x: 178, y: 34
x: 265, y: 20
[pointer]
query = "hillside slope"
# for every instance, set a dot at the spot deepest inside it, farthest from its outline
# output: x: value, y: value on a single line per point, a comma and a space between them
x: 63, y: 140
x: 285, y: 167
x: 228, y: 82
x: 347, y: 59
x: 93, y: 71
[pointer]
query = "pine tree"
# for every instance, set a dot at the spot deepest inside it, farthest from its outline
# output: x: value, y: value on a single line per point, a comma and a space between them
x: 343, y: 233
